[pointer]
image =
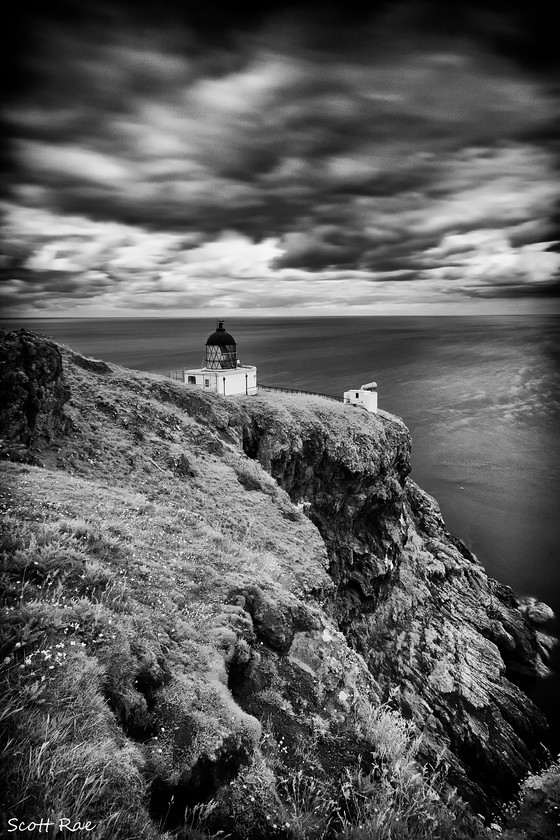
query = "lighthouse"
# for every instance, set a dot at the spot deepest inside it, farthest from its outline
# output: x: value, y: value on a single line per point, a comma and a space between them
x: 221, y: 370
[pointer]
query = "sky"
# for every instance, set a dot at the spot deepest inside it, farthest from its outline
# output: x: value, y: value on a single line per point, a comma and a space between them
x: 166, y: 159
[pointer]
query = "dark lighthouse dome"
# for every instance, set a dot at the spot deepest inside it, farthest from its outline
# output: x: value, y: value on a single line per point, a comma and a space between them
x: 221, y: 349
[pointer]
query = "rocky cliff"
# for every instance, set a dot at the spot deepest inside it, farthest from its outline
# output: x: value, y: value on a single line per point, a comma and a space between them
x: 285, y: 578
x: 447, y: 643
x: 32, y: 390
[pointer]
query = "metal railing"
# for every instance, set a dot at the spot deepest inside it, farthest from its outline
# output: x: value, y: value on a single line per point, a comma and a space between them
x: 178, y: 374
x: 299, y: 391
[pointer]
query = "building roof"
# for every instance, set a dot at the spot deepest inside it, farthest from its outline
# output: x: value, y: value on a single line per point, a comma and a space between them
x: 219, y: 337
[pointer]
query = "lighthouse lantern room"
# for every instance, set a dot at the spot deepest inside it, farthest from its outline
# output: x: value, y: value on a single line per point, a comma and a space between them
x: 220, y: 351
x: 221, y: 370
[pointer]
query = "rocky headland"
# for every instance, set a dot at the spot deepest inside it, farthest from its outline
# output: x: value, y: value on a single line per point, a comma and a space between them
x: 256, y: 621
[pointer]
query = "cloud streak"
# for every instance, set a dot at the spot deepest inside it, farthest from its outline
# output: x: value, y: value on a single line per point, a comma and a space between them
x: 158, y: 167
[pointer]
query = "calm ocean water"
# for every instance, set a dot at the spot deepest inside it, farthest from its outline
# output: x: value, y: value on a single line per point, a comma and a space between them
x: 480, y: 396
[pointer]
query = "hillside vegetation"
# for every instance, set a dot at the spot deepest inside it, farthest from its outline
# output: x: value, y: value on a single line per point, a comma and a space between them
x: 174, y: 662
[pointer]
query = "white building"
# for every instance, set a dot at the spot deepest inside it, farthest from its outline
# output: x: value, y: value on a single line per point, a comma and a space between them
x: 364, y: 397
x: 221, y: 370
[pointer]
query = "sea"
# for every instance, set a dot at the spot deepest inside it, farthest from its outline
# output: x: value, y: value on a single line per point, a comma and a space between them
x: 481, y: 396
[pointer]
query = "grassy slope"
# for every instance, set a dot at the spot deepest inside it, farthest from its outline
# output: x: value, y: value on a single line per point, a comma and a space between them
x: 122, y: 557
x: 119, y: 570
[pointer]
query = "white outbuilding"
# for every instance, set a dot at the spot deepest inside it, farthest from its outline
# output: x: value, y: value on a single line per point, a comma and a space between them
x: 221, y: 370
x: 364, y: 397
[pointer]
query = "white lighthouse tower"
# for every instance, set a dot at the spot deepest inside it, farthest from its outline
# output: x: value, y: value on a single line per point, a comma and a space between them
x: 221, y: 370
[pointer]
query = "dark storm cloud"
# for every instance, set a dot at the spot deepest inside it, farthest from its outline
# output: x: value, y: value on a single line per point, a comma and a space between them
x: 548, y: 289
x: 355, y: 142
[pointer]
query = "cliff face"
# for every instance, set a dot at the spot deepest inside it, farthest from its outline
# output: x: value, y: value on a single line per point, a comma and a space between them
x: 349, y: 479
x: 261, y: 619
x: 447, y: 643
x: 32, y: 390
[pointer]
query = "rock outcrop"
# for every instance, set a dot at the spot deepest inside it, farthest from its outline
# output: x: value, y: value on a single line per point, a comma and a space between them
x: 32, y: 390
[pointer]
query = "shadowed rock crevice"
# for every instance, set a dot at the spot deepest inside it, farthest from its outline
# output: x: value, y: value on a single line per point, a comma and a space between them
x: 168, y: 800
x: 134, y: 701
